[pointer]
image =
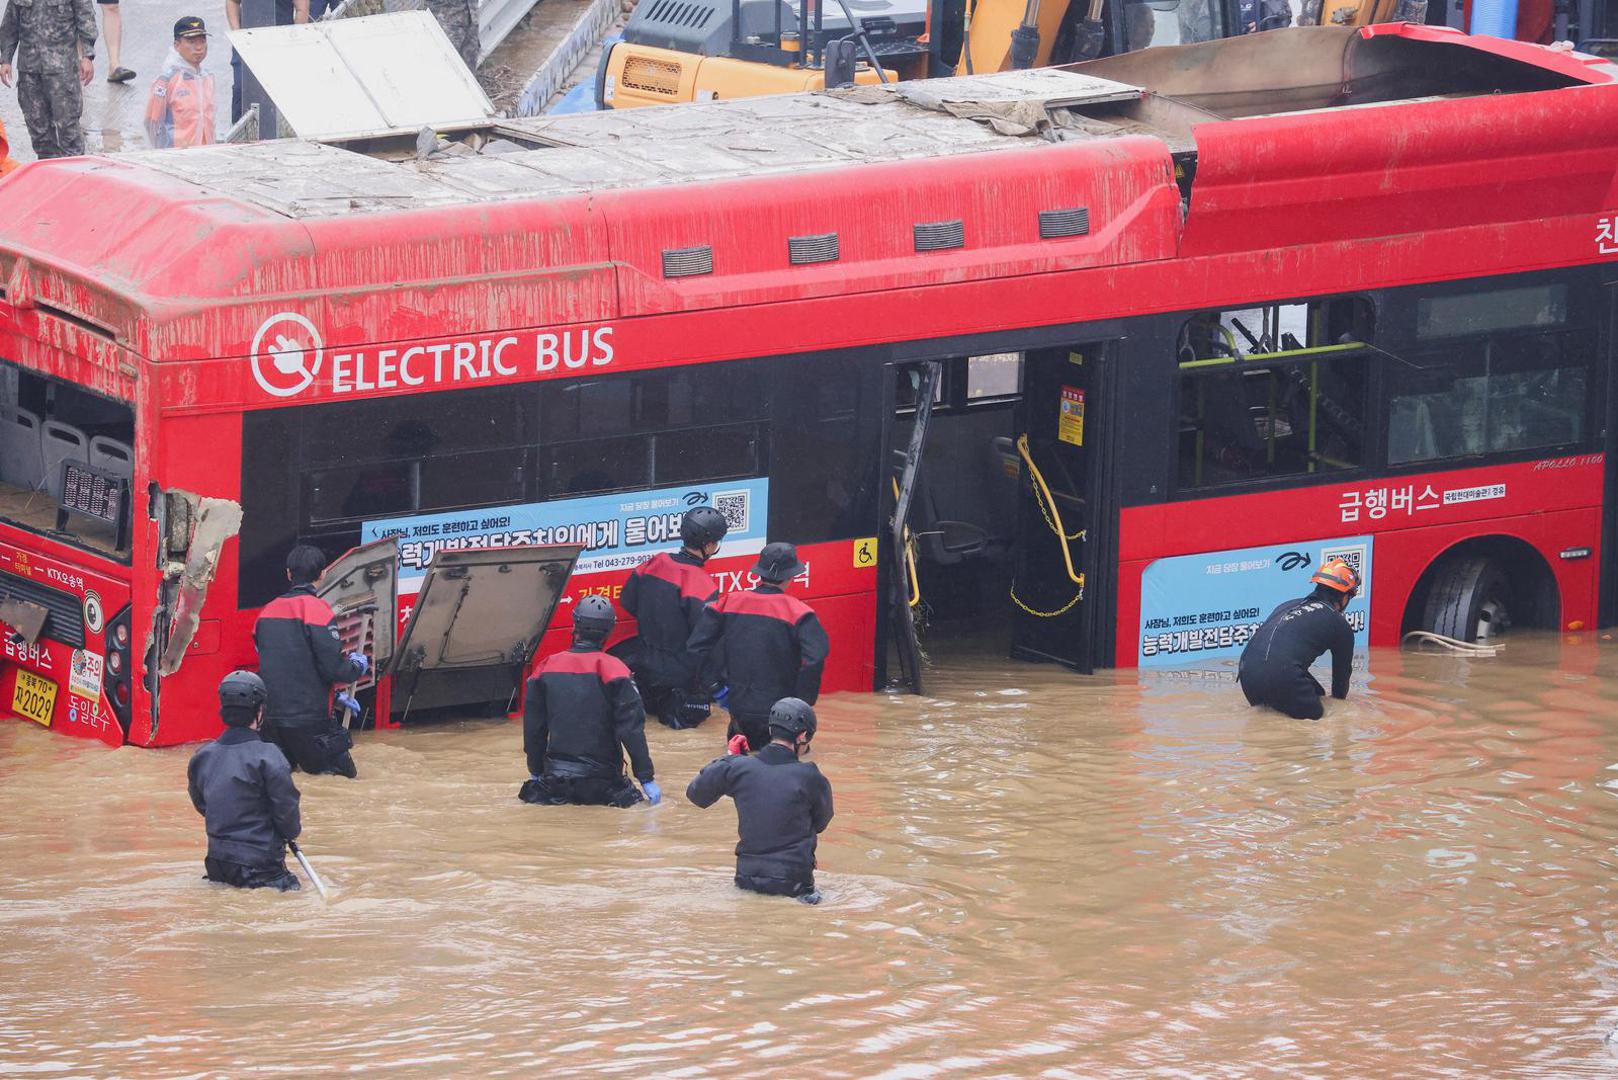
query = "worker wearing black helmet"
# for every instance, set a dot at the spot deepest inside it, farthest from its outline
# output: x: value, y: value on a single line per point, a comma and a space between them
x: 242, y: 786
x: 760, y: 646
x: 581, y: 714
x: 666, y: 594
x: 1274, y: 668
x: 782, y: 804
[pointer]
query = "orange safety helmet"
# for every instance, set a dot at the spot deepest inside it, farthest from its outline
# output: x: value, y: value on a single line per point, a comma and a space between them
x: 1337, y: 574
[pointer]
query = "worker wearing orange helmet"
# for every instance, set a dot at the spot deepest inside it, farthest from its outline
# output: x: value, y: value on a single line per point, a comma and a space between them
x: 1274, y: 668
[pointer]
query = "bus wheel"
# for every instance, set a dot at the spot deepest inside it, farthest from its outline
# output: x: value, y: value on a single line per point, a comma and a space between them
x: 1470, y: 599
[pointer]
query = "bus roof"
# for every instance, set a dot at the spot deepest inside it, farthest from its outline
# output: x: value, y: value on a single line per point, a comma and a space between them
x: 181, y: 255
x: 544, y: 157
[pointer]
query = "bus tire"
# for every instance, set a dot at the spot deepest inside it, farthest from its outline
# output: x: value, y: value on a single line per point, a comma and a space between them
x: 1470, y: 599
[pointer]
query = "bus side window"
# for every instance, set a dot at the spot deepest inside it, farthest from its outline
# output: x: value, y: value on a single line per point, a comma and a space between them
x: 1498, y: 395
x: 1273, y: 391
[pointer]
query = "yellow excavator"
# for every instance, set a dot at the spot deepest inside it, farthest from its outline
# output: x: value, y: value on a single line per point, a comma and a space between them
x: 702, y: 50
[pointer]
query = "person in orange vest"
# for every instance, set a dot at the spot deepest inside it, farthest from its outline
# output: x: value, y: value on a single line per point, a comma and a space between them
x: 6, y: 162
x: 180, y: 109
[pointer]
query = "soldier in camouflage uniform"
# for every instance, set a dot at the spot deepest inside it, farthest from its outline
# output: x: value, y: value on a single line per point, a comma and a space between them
x: 459, y: 18
x: 54, y: 42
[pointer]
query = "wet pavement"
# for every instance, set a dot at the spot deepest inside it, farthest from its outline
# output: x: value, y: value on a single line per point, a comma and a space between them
x: 1030, y: 873
x: 114, y: 112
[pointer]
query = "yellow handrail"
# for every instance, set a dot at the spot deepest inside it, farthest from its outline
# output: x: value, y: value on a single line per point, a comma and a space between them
x: 1053, y: 516
x: 910, y: 555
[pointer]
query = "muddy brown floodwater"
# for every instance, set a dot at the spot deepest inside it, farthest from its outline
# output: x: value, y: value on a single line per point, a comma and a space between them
x: 1030, y: 873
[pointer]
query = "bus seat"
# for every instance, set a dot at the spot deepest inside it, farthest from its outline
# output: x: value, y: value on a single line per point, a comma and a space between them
x: 22, y: 463
x: 61, y: 443
x: 110, y: 455
x: 943, y: 538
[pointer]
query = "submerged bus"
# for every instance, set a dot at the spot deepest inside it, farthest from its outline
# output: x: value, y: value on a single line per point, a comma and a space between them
x: 1116, y: 352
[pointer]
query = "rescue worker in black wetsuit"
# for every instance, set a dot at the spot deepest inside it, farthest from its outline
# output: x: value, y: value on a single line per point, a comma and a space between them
x: 581, y: 714
x: 667, y: 594
x: 242, y: 786
x: 782, y: 805
x: 761, y: 646
x: 301, y: 658
x: 1274, y: 668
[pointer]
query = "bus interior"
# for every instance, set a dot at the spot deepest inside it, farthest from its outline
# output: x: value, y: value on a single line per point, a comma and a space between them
x: 67, y: 460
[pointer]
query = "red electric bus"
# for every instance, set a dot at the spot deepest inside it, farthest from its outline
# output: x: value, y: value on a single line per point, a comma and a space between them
x: 1116, y: 352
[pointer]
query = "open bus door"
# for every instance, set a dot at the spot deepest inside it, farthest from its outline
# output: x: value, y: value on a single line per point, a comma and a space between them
x: 1065, y: 509
x: 475, y: 626
x: 925, y: 379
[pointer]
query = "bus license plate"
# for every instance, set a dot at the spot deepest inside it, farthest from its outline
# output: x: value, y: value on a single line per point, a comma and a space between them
x: 34, y: 698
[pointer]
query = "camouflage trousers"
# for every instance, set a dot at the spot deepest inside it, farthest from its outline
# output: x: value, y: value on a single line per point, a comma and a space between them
x: 52, y: 105
x: 459, y: 18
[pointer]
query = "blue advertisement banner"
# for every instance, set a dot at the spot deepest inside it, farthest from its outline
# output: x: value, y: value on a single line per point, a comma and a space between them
x: 1196, y: 608
x: 617, y: 531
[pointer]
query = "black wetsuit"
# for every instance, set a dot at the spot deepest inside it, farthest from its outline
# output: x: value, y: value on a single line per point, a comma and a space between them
x: 581, y: 714
x: 782, y: 804
x: 242, y: 786
x: 1274, y: 668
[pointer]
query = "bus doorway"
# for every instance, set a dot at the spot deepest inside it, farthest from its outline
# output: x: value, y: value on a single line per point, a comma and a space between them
x: 988, y: 451
x: 1064, y: 518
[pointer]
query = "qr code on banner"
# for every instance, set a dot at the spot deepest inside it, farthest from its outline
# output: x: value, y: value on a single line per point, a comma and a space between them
x: 735, y: 506
x: 1353, y: 556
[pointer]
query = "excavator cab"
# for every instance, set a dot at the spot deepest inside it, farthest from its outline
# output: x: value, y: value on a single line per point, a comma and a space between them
x: 704, y: 50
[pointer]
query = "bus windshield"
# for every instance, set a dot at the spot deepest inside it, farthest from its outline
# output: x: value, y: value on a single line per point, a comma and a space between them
x: 67, y: 460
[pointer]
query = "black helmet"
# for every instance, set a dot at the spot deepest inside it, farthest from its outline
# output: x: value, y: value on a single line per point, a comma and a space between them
x: 594, y: 617
x: 792, y: 717
x: 778, y: 562
x: 701, y: 526
x: 242, y: 690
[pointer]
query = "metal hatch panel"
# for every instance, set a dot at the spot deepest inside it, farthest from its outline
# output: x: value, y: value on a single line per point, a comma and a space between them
x: 476, y: 623
x: 364, y: 581
x: 376, y: 74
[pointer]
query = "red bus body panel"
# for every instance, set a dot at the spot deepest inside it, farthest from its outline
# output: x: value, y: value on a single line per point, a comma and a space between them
x: 183, y: 279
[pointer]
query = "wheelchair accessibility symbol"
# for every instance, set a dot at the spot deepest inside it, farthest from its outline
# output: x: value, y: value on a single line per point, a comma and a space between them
x: 865, y: 552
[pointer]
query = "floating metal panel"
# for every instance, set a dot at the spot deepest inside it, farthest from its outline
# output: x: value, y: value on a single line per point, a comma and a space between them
x: 939, y: 235
x: 1054, y: 224
x: 687, y: 262
x: 819, y: 248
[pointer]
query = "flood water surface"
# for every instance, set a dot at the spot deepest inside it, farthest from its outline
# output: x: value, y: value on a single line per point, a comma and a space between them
x: 1030, y: 873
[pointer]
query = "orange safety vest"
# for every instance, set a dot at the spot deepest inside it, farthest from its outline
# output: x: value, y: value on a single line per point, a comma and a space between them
x: 6, y: 164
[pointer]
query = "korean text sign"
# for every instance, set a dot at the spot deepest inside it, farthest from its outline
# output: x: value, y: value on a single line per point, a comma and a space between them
x: 617, y: 531
x: 1196, y: 608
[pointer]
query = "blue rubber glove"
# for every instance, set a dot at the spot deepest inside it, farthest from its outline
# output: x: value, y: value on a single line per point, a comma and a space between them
x: 348, y: 701
x: 654, y: 794
x: 721, y: 698
x: 362, y: 660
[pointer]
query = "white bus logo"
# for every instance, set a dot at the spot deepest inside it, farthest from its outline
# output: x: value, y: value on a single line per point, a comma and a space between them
x: 286, y: 354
